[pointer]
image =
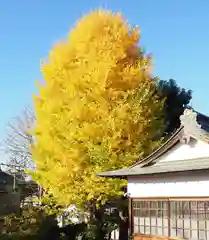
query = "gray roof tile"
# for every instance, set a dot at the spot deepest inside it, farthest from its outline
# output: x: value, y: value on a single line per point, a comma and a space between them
x: 161, y: 167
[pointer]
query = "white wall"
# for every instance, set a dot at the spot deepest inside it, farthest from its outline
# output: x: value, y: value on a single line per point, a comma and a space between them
x: 175, y: 186
x: 184, y: 151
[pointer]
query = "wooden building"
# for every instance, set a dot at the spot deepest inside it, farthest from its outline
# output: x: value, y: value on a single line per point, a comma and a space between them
x: 169, y: 189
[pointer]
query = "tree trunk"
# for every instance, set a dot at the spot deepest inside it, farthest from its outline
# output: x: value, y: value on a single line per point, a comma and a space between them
x: 123, y: 230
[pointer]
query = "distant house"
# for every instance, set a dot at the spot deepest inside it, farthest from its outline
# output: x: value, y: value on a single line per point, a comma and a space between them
x: 12, y: 192
x: 169, y: 190
x: 9, y: 196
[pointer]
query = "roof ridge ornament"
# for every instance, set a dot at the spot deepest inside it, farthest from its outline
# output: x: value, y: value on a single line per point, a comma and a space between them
x: 189, y: 121
x: 191, y: 126
x: 189, y: 118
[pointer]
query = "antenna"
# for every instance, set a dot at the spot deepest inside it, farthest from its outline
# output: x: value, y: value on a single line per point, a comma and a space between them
x: 14, y: 182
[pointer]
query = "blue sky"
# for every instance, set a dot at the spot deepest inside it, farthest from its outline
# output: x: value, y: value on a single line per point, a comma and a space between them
x: 175, y: 32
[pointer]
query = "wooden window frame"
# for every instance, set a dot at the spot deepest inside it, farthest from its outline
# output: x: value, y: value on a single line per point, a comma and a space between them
x: 177, y: 209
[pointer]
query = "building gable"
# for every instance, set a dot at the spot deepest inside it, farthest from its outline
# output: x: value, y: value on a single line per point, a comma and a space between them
x: 181, y: 151
x: 189, y: 143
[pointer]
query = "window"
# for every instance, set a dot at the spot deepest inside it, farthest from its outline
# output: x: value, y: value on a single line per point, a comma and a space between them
x: 183, y: 219
x: 151, y: 217
x: 190, y: 219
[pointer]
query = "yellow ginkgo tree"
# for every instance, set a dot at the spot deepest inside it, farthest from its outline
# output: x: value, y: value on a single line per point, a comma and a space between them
x: 97, y: 109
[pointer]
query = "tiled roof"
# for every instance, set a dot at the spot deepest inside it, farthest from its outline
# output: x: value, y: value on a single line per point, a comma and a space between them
x: 193, y: 124
x: 161, y: 167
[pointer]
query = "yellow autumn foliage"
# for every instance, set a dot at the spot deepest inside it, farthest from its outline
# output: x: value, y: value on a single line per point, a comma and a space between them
x: 97, y: 109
